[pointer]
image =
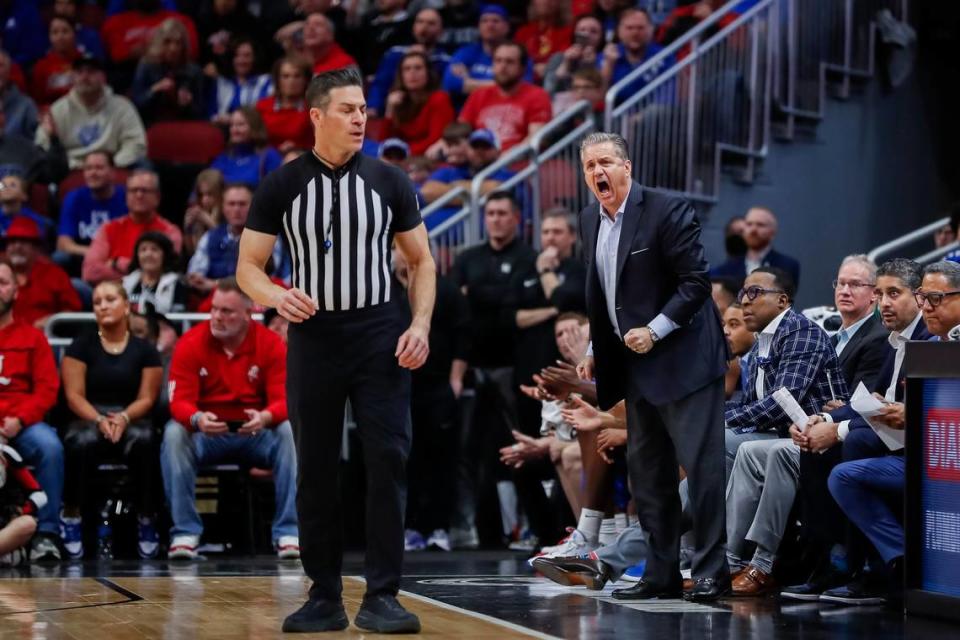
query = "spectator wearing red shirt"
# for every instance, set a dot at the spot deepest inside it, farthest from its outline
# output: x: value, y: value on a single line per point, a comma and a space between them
x: 285, y: 113
x: 417, y: 110
x: 126, y: 34
x: 228, y: 401
x: 44, y: 288
x: 318, y: 43
x: 28, y: 389
x: 52, y: 75
x: 512, y: 108
x: 112, y: 247
x: 547, y: 32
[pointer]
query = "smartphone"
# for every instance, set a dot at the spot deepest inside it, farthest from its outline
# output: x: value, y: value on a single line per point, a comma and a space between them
x: 581, y: 39
x: 234, y: 425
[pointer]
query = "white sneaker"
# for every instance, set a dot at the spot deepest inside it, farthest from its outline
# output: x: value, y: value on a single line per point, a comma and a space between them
x: 288, y: 548
x: 439, y: 540
x: 44, y: 549
x: 575, y: 544
x: 183, y: 547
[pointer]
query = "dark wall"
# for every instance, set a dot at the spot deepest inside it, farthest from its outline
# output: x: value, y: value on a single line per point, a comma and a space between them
x: 872, y: 170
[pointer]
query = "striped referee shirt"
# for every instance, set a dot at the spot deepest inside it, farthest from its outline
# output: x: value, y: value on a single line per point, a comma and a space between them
x: 339, y: 225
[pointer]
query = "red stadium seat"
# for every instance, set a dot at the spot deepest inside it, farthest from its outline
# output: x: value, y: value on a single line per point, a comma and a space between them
x: 184, y: 142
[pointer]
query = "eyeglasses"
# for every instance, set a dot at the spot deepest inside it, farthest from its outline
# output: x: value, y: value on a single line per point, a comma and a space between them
x: 853, y: 284
x: 933, y: 297
x: 754, y: 292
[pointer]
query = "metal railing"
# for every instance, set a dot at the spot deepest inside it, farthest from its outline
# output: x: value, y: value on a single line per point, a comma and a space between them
x: 714, y: 101
x: 822, y: 39
x: 924, y: 233
x: 545, y: 174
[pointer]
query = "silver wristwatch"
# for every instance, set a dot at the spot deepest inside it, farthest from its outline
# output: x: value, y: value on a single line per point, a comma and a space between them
x: 653, y: 335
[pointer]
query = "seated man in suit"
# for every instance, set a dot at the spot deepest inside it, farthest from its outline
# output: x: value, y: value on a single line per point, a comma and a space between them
x: 760, y: 228
x: 794, y: 353
x: 863, y: 488
x: 840, y: 434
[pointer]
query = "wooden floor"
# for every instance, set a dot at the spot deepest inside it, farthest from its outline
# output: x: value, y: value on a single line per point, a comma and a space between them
x: 223, y: 607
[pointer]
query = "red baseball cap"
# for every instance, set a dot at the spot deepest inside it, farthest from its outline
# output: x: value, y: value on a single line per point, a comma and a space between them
x: 23, y: 228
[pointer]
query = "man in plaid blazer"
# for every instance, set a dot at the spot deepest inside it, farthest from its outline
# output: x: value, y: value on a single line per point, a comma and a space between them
x: 792, y: 352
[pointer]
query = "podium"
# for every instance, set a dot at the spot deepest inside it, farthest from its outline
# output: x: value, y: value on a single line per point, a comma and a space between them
x: 932, y: 495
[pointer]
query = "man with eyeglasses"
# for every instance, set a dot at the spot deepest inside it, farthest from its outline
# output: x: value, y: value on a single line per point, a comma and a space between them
x: 112, y: 247
x: 791, y: 352
x: 842, y: 435
x: 864, y: 488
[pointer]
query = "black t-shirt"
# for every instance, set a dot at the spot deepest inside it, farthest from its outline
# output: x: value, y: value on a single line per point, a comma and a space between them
x: 342, y: 260
x: 494, y: 281
x: 113, y: 380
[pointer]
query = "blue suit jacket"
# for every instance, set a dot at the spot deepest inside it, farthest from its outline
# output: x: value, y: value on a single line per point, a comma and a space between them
x: 802, y: 360
x: 661, y: 268
x: 736, y: 268
x: 846, y: 412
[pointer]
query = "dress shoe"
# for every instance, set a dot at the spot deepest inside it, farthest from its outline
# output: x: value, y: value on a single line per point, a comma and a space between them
x: 382, y: 613
x: 571, y: 572
x: 707, y: 589
x: 643, y: 590
x: 822, y: 580
x: 753, y: 582
x: 315, y: 616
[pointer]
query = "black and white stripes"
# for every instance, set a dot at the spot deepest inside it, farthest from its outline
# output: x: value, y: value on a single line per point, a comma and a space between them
x: 354, y: 209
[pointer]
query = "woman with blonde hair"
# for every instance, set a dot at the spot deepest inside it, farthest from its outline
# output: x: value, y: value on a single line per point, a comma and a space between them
x: 203, y: 213
x: 248, y: 156
x: 285, y: 113
x: 111, y: 381
x: 167, y: 85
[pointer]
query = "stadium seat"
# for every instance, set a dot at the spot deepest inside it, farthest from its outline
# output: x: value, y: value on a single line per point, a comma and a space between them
x: 184, y: 142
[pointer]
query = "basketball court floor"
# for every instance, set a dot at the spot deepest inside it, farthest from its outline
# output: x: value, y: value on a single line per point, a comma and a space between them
x: 469, y: 595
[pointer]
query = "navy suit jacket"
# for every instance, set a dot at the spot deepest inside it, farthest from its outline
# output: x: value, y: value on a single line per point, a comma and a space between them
x: 863, y: 357
x: 661, y: 268
x: 846, y: 412
x: 802, y: 360
x: 736, y: 268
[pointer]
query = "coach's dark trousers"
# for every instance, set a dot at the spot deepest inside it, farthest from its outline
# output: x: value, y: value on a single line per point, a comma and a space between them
x: 688, y: 432
x: 333, y: 357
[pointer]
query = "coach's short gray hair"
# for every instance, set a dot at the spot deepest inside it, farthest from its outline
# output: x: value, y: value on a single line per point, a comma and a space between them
x: 948, y: 269
x: 601, y: 137
x: 864, y: 261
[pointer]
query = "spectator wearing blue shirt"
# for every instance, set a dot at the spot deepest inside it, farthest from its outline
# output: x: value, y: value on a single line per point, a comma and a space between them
x: 13, y: 199
x: 634, y: 47
x: 88, y: 39
x: 217, y: 251
x: 467, y: 156
x: 248, y: 157
x: 244, y: 86
x: 23, y: 32
x: 427, y: 32
x: 87, y: 208
x: 471, y: 66
x: 119, y: 6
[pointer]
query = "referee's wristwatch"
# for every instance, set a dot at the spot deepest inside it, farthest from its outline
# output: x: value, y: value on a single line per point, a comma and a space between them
x: 653, y: 335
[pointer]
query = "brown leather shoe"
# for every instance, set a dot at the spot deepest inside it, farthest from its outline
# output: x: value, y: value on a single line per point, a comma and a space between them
x: 753, y: 582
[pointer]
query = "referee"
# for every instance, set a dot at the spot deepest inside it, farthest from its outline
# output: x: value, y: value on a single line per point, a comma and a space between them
x: 350, y: 338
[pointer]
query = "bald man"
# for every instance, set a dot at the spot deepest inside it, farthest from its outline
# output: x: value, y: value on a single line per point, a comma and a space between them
x: 760, y: 228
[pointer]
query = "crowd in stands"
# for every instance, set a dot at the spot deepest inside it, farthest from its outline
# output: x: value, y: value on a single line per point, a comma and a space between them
x: 89, y: 222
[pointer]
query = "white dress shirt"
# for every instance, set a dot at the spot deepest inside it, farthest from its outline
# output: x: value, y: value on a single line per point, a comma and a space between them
x: 765, y: 340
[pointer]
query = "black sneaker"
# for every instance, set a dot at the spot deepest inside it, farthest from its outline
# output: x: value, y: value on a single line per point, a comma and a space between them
x: 383, y: 614
x: 817, y: 583
x: 863, y: 591
x: 315, y: 616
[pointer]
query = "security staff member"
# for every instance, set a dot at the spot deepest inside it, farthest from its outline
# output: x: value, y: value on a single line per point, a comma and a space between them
x: 340, y: 211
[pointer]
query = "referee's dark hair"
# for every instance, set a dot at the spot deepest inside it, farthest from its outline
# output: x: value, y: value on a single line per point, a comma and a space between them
x: 505, y: 195
x: 318, y: 91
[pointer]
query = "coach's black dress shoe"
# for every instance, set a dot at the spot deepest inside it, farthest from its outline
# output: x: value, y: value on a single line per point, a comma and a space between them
x: 643, y: 590
x: 382, y: 613
x: 315, y: 616
x: 707, y: 590
x: 571, y: 572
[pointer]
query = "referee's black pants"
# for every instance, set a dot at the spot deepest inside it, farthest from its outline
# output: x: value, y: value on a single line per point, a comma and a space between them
x: 332, y: 357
